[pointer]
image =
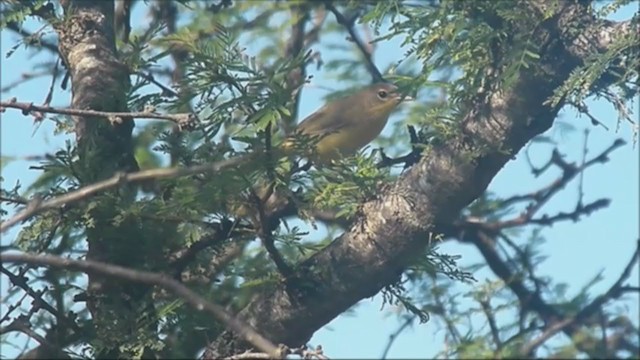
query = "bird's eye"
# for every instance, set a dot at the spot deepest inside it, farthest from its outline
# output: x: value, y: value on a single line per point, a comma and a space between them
x: 382, y: 94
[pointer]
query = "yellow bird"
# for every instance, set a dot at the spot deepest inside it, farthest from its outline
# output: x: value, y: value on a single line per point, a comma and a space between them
x: 344, y: 126
x: 340, y: 128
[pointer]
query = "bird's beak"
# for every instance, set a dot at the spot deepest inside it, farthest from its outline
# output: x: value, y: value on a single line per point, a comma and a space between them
x: 402, y: 97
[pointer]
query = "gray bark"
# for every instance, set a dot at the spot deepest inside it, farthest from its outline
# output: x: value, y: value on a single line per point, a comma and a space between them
x: 99, y: 81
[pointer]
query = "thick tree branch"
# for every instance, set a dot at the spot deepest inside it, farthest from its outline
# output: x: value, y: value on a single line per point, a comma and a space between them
x: 392, y: 229
x: 100, y: 82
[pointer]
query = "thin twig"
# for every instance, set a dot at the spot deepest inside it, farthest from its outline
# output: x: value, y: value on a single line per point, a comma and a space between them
x: 574, y: 215
x: 182, y: 258
x: 585, y: 149
x: 528, y: 299
x: 37, y: 206
x: 602, y: 317
x: 582, y: 109
x: 294, y: 48
x: 614, y: 292
x: 12, y: 307
x: 21, y: 281
x: 166, y: 91
x: 149, y: 278
x: 24, y: 77
x: 22, y: 325
x: 184, y: 120
x: 556, y: 321
x: 54, y: 77
x: 542, y: 196
x: 14, y: 26
x: 392, y: 338
x: 485, y: 304
x: 366, y: 53
x: 409, y: 159
x: 265, y: 234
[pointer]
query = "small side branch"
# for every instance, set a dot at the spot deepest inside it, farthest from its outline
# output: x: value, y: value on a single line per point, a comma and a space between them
x: 367, y: 54
x: 37, y: 205
x: 539, y: 198
x: 265, y: 234
x: 393, y: 337
x: 185, y: 121
x: 182, y: 258
x: 409, y: 159
x: 39, y: 303
x: 614, y: 292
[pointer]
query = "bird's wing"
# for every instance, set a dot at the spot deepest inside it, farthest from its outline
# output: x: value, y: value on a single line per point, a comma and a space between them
x: 312, y: 126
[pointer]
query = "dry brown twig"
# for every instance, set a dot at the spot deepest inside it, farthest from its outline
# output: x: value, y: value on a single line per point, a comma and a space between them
x: 185, y: 121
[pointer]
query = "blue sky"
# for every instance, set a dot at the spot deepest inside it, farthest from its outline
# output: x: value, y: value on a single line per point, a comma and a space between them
x: 604, y: 241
